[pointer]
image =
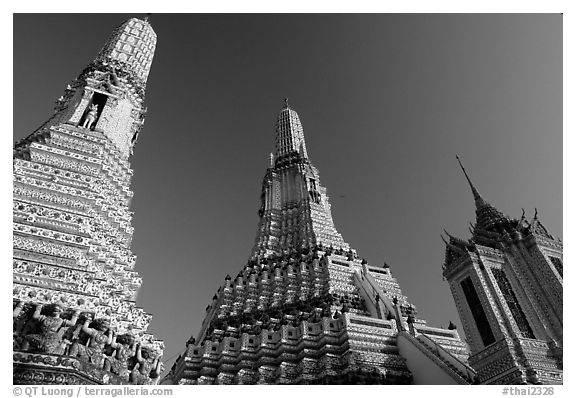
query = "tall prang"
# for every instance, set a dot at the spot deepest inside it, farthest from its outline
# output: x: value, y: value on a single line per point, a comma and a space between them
x: 74, y: 292
x: 507, y: 282
x: 305, y: 309
x: 295, y: 212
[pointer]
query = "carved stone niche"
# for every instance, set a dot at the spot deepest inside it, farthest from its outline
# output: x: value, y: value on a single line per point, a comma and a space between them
x: 99, y: 91
x: 98, y: 99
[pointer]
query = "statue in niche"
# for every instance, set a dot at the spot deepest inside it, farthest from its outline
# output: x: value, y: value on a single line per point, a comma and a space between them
x: 148, y: 366
x: 49, y: 339
x: 90, y: 116
x: 99, y: 334
x: 124, y: 349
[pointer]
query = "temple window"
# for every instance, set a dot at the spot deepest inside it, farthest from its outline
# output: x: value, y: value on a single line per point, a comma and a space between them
x: 512, y: 303
x: 478, y: 313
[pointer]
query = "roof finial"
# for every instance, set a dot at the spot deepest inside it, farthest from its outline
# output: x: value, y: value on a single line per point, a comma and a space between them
x: 535, y: 212
x: 147, y: 18
x: 444, y: 240
x: 286, y: 104
x: 477, y: 197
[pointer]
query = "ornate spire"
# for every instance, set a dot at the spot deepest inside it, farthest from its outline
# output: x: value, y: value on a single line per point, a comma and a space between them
x: 478, y: 199
x: 97, y: 121
x: 294, y: 210
x: 289, y: 133
x: 132, y: 46
x: 109, y: 93
x: 487, y: 216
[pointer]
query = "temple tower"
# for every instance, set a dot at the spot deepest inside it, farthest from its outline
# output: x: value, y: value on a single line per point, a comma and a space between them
x: 305, y: 309
x: 295, y: 212
x: 75, y: 314
x: 507, y: 284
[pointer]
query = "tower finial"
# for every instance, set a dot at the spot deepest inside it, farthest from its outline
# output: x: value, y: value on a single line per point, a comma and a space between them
x: 286, y: 104
x: 147, y: 18
x: 477, y: 197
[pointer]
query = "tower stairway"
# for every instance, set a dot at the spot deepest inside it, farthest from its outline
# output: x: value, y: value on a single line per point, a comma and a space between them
x: 447, y: 356
x: 430, y: 363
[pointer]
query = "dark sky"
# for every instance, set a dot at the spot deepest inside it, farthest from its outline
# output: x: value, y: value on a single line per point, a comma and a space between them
x: 386, y: 102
